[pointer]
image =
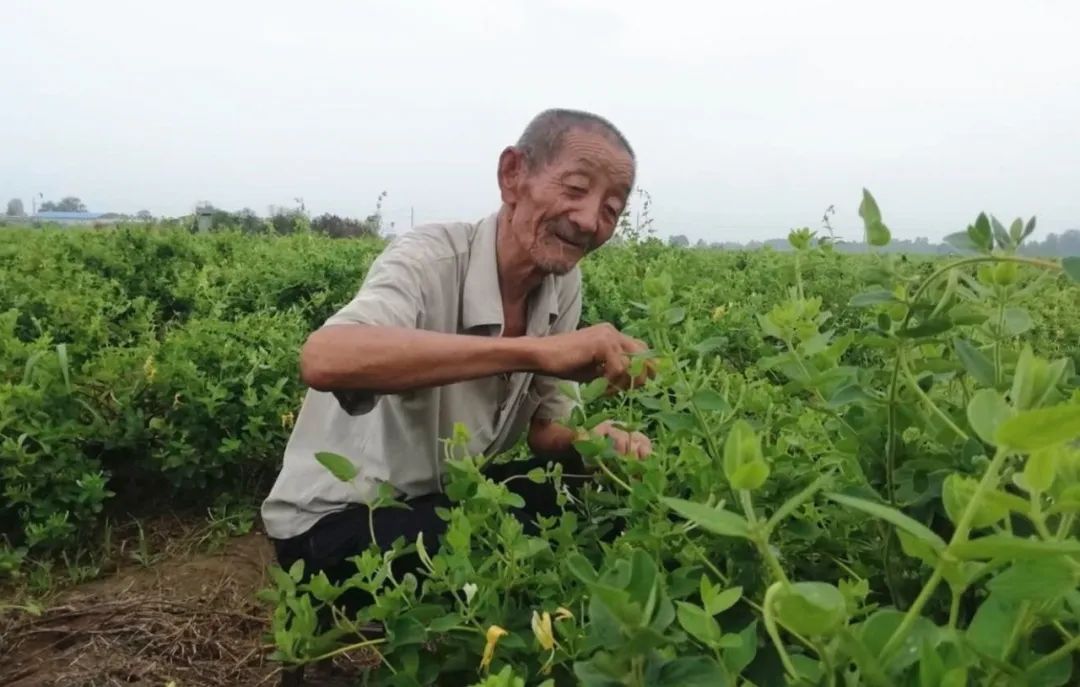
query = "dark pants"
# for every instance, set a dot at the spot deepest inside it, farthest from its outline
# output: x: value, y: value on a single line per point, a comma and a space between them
x: 335, y: 538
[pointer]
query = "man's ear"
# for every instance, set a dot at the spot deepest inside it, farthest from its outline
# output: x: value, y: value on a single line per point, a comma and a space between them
x: 512, y: 172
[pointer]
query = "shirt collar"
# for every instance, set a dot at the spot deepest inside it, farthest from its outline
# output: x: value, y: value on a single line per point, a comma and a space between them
x: 482, y: 299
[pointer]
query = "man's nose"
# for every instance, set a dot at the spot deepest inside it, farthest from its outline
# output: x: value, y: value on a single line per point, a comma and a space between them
x: 587, y: 219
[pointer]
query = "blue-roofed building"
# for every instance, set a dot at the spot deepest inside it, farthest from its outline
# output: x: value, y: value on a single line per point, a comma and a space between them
x: 61, y: 217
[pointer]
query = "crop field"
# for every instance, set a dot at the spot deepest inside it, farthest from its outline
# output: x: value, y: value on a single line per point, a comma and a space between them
x: 865, y: 470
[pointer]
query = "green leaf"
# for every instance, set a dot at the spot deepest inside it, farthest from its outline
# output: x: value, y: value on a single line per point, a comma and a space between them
x: 925, y: 329
x: 877, y: 629
x: 981, y: 233
x: 891, y: 515
x: 1040, y: 428
x: 1071, y: 265
x: 710, y: 345
x: 1000, y: 233
x: 1040, y: 470
x: 339, y: 466
x: 957, y: 492
x: 810, y: 608
x: 852, y: 393
x: 1016, y: 231
x: 961, y: 240
x: 975, y: 362
x: 1029, y: 228
x: 736, y: 659
x: 594, y: 389
x: 675, y: 315
x: 1043, y: 579
x: 744, y: 464
x: 677, y: 421
x: 536, y: 475
x: 1009, y: 547
x: 750, y: 475
x: 698, y: 623
x: 445, y: 623
x: 405, y: 630
x: 691, y: 671
x: 878, y: 234
x: 917, y: 548
x: 868, y: 208
x: 723, y: 600
x: 986, y: 411
x: 1017, y: 321
x: 709, y: 400
x: 955, y: 677
x: 992, y: 624
x: 715, y: 520
x: 579, y: 566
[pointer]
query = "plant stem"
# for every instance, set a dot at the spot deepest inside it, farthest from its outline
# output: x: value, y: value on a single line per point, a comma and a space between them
x: 1065, y: 526
x: 954, y: 609
x: 770, y: 627
x: 345, y: 649
x: 761, y: 538
x: 798, y: 276
x: 997, y: 342
x: 1017, y: 630
x: 963, y: 527
x: 614, y: 478
x: 890, y: 439
x: 1065, y: 649
x: 914, y: 384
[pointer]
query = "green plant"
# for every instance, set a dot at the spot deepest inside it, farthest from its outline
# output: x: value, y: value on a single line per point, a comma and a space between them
x: 878, y: 490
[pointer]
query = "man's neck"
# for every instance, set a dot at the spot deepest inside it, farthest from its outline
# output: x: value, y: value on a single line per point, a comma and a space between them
x: 518, y: 274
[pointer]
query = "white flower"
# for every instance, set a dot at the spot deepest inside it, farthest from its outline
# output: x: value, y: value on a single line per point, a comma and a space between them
x: 470, y: 591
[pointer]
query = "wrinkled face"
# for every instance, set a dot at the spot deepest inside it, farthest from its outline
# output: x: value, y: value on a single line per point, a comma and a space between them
x: 570, y: 207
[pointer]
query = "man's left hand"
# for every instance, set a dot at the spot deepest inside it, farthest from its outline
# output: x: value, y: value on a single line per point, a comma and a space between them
x: 634, y: 444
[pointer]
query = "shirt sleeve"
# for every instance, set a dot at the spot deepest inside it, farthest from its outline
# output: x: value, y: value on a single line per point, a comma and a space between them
x: 392, y: 294
x: 554, y: 404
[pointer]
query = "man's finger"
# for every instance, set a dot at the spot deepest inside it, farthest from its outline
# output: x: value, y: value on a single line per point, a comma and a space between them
x: 622, y: 444
x: 640, y: 446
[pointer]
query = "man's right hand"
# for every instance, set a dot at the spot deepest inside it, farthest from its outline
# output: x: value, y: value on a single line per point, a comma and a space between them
x: 596, y: 351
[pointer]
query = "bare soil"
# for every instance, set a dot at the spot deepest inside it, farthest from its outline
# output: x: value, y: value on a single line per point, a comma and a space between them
x: 190, y: 618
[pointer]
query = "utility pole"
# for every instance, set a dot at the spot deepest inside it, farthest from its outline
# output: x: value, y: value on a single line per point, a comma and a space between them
x: 411, y: 217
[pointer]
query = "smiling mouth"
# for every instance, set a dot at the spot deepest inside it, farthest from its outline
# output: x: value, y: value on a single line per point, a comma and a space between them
x: 570, y: 243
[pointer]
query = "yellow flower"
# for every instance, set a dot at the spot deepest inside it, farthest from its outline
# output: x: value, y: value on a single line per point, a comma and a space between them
x: 562, y: 614
x: 541, y: 627
x: 718, y: 313
x: 493, y: 634
x: 287, y: 420
x: 149, y: 368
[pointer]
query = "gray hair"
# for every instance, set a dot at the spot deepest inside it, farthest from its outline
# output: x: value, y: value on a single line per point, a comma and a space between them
x: 543, y: 137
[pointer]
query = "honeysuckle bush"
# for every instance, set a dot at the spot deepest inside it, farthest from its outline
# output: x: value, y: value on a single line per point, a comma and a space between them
x: 147, y: 359
x: 883, y: 496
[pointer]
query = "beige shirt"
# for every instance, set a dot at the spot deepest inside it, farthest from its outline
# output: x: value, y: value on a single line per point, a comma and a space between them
x: 442, y: 278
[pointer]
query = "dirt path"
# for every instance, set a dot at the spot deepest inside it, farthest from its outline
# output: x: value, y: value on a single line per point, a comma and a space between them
x: 191, y: 620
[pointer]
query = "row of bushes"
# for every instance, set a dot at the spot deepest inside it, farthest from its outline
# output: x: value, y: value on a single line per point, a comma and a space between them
x: 153, y: 361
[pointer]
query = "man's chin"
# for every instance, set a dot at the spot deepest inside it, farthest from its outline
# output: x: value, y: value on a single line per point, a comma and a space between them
x: 558, y: 268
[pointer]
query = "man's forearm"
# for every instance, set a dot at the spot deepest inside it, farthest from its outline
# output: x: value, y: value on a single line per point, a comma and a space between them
x: 390, y: 360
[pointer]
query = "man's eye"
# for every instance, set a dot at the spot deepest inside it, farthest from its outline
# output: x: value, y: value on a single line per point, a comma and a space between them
x: 577, y: 190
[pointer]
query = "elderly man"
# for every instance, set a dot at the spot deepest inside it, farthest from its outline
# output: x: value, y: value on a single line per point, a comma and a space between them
x: 462, y: 322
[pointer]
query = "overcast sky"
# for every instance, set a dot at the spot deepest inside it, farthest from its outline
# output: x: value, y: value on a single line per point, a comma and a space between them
x: 749, y: 117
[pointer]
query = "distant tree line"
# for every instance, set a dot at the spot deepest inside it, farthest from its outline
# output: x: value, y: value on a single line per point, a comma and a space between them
x: 288, y: 220
x: 1053, y: 245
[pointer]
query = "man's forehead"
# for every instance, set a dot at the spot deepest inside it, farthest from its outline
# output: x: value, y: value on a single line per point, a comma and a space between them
x: 595, y: 152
